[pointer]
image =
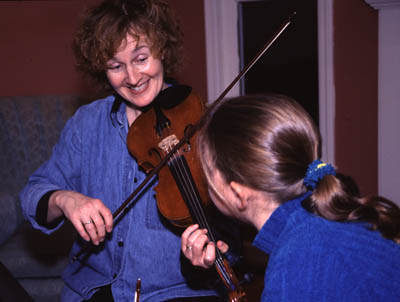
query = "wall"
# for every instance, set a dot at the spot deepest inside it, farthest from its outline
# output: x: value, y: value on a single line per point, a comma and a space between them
x: 356, y: 61
x: 37, y: 59
x: 36, y: 47
x: 191, y: 15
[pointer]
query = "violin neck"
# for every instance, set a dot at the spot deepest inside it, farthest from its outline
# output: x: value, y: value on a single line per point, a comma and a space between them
x: 183, y: 177
x: 190, y: 194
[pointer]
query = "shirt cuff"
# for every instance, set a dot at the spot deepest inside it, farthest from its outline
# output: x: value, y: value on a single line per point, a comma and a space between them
x: 42, y: 209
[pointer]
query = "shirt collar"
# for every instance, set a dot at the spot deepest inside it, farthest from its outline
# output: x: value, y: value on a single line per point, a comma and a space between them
x: 118, y: 111
x: 271, y: 230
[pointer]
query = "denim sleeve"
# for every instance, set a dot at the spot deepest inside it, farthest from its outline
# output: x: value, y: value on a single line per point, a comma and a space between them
x: 60, y: 172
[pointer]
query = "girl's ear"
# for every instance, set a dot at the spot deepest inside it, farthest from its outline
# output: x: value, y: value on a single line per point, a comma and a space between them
x: 242, y: 194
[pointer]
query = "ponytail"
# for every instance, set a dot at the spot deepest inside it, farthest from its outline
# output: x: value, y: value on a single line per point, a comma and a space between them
x: 334, y: 198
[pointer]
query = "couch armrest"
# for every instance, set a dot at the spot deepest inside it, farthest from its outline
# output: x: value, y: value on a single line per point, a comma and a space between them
x: 10, y: 216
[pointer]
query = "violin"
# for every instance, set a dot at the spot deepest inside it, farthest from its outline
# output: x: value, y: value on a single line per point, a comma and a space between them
x: 184, y: 180
x: 153, y: 135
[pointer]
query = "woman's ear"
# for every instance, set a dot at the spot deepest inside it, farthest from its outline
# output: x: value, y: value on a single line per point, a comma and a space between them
x: 242, y: 194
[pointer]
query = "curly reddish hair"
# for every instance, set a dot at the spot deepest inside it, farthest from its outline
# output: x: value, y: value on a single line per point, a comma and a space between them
x: 106, y: 26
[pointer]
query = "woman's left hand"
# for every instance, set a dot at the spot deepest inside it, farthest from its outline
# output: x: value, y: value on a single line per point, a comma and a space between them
x: 197, y: 247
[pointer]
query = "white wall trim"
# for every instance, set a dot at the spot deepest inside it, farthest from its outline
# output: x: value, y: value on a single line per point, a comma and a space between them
x: 388, y: 98
x: 326, y: 79
x: 379, y: 4
x: 222, y: 46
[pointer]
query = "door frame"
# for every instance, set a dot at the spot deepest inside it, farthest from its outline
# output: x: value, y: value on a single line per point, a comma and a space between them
x: 223, y: 63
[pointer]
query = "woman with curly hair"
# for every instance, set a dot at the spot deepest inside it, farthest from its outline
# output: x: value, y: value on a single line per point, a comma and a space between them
x: 325, y: 242
x: 131, y: 47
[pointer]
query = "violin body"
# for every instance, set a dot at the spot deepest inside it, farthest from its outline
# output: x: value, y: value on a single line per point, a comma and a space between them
x: 144, y: 143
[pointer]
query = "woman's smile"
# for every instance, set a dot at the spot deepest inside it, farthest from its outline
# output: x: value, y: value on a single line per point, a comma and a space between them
x: 136, y: 74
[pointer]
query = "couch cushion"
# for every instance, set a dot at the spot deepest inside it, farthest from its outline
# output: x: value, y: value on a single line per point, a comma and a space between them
x: 30, y: 253
x: 10, y: 216
x: 29, y: 128
x: 44, y: 289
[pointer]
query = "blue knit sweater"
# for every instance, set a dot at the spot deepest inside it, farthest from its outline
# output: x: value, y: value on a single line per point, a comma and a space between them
x: 313, y: 259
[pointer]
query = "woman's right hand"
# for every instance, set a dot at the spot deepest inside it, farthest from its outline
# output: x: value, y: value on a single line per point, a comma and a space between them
x: 90, y: 217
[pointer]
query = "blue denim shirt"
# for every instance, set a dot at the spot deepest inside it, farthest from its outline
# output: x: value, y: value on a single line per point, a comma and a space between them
x: 313, y: 259
x: 92, y: 158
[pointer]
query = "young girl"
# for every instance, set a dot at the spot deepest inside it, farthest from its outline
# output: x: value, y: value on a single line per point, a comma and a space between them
x: 325, y: 243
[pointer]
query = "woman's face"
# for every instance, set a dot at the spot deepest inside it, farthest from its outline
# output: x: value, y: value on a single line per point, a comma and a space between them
x: 134, y: 72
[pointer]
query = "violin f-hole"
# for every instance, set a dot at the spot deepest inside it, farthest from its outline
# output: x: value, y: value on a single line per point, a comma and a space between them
x: 155, y: 150
x: 189, y: 148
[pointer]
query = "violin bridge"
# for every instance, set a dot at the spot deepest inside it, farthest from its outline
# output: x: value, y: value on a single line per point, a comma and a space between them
x: 167, y: 143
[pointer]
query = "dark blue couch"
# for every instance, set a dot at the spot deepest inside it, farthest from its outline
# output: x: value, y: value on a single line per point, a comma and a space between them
x: 29, y: 128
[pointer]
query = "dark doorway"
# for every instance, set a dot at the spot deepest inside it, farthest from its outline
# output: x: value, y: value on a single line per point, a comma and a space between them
x: 290, y: 66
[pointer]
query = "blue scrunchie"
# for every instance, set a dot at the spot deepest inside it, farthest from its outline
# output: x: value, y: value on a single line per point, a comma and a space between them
x: 316, y: 171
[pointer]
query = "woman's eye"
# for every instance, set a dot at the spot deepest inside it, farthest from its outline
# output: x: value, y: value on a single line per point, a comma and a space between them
x: 114, y: 67
x: 141, y: 59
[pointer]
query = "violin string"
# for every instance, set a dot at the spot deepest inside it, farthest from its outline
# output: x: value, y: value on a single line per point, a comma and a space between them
x: 180, y: 182
x: 185, y: 178
x: 189, y: 190
x: 180, y: 170
x: 192, y: 194
x: 195, y: 201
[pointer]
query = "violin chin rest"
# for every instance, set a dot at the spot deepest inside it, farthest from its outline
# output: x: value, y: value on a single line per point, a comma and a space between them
x: 172, y: 96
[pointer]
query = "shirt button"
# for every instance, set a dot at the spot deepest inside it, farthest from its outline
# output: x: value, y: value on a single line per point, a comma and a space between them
x: 114, y: 276
x: 120, y: 243
x: 135, y: 180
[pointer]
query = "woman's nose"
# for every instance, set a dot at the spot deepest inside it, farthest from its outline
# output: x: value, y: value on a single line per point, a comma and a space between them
x: 133, y: 76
